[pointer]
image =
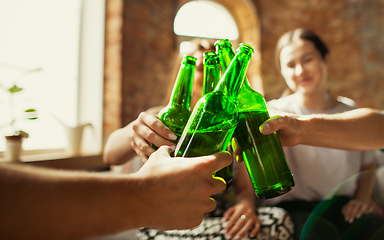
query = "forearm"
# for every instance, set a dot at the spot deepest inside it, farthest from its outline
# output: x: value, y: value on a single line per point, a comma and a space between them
x: 42, y: 204
x: 245, y: 193
x: 118, y: 149
x: 366, y: 182
x: 247, y: 198
x: 360, y: 129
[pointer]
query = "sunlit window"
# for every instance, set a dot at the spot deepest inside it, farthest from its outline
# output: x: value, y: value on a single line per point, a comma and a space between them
x: 205, y: 19
x: 40, y: 52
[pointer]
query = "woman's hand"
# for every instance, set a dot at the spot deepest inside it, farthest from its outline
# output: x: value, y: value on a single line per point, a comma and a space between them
x: 146, y: 130
x: 241, y: 220
x: 355, y: 208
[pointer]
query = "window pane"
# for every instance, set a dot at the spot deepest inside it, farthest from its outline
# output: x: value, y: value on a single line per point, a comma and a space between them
x: 40, y: 34
x: 205, y: 19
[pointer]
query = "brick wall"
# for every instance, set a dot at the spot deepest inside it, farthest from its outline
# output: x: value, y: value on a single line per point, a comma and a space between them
x: 353, y: 30
x: 148, y: 48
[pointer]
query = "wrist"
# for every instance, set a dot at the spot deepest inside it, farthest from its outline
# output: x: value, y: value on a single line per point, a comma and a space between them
x: 306, y: 127
x: 247, y: 203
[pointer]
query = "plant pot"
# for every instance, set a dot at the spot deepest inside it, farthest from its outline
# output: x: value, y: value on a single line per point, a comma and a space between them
x: 13, y: 148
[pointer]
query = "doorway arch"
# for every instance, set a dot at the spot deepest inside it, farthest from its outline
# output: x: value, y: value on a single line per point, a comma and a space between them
x: 247, y: 20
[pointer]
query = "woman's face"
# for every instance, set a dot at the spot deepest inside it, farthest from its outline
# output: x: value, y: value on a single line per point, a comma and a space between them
x: 302, y: 67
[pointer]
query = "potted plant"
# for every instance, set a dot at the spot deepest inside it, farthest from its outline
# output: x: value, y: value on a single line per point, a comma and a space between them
x: 15, y: 136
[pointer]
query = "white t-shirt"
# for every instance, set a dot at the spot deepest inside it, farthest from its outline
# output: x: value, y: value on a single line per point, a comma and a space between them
x: 319, y: 172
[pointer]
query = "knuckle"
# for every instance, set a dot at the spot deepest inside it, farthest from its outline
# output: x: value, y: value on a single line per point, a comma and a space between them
x: 141, y: 115
x: 151, y: 136
x: 248, y: 212
x: 135, y: 126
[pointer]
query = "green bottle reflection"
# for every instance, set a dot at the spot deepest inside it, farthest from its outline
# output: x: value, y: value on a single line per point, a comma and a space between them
x: 211, y: 79
x: 215, y: 116
x: 175, y: 115
x: 263, y: 154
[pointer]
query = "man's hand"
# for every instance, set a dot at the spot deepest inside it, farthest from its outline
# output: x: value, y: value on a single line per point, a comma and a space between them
x: 176, y: 192
x: 287, y: 128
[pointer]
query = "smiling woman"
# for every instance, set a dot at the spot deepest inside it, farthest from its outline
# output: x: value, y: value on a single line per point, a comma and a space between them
x: 52, y: 35
x: 303, y: 60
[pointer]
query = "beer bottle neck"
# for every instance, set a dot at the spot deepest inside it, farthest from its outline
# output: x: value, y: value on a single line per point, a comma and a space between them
x: 211, y: 72
x: 230, y: 83
x: 226, y: 54
x: 182, y: 89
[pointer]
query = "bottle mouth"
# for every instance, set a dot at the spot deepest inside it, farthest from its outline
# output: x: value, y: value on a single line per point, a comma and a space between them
x: 189, y: 60
x: 246, y: 48
x: 211, y: 58
x: 223, y: 43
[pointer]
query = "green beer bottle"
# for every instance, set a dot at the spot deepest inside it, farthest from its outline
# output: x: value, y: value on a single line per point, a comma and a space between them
x: 175, y: 115
x: 211, y: 79
x: 215, y: 116
x: 211, y: 71
x: 263, y: 154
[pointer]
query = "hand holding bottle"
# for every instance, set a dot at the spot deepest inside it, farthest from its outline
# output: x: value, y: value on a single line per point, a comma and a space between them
x: 176, y: 192
x: 146, y: 130
x: 287, y: 127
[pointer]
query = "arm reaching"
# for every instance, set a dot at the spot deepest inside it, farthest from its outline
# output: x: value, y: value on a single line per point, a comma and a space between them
x: 242, y: 218
x: 167, y: 193
x: 359, y: 129
x: 136, y: 138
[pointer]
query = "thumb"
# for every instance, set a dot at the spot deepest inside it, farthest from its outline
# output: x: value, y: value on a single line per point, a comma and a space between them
x: 271, y: 125
x: 163, y: 151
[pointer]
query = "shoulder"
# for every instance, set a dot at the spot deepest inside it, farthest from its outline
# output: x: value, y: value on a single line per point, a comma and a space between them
x: 344, y: 104
x: 283, y: 103
x: 347, y: 101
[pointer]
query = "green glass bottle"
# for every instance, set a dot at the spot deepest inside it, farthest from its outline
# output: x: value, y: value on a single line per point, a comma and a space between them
x: 175, y: 115
x: 211, y: 71
x: 215, y: 116
x: 211, y: 79
x: 263, y: 154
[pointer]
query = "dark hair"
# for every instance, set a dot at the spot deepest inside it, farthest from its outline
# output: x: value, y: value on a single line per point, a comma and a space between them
x: 300, y: 33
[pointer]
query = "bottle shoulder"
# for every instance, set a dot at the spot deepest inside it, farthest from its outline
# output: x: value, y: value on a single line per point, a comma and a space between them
x: 173, y: 110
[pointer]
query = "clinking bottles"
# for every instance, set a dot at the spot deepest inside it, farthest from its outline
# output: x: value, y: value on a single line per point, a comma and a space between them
x: 211, y: 79
x: 263, y: 154
x: 215, y: 116
x: 175, y: 115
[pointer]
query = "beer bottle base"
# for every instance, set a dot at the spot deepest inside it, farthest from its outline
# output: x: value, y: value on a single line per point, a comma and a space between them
x: 275, y: 190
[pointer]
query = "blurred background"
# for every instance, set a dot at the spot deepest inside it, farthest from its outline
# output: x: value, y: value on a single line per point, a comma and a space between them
x: 104, y: 61
x: 352, y: 29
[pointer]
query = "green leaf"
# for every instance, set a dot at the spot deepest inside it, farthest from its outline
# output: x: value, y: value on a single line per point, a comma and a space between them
x: 14, y: 89
x: 31, y: 114
x: 35, y: 70
x: 23, y: 134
